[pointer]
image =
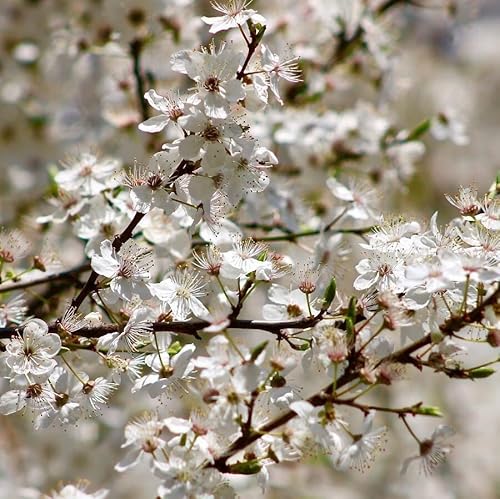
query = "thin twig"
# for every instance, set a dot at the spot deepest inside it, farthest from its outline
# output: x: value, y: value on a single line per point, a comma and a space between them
x: 69, y: 274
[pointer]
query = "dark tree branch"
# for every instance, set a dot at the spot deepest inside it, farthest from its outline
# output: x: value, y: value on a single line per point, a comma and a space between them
x: 135, y: 49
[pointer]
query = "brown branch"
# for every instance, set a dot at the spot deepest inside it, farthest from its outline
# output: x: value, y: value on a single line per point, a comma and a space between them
x: 256, y: 37
x: 190, y: 328
x: 135, y: 49
x: 69, y: 274
x: 293, y: 236
x: 409, y: 410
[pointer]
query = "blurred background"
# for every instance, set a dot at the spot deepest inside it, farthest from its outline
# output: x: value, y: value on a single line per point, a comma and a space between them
x: 66, y: 85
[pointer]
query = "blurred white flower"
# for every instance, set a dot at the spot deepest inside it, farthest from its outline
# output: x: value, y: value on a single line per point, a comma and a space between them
x: 88, y: 174
x: 364, y: 447
x: 433, y: 451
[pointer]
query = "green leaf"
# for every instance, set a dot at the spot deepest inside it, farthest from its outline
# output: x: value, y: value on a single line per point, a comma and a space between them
x: 246, y: 468
x: 174, y: 348
x: 419, y: 130
x: 329, y: 294
x: 258, y: 350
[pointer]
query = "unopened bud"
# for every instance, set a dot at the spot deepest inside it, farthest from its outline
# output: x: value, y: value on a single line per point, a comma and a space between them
x: 481, y: 372
x: 493, y: 337
x: 429, y: 411
x: 38, y: 264
x: 210, y: 396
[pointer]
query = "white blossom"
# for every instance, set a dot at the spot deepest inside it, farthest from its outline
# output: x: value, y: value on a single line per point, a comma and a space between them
x: 214, y: 72
x: 181, y: 291
x: 235, y: 13
x: 128, y: 269
x: 33, y: 352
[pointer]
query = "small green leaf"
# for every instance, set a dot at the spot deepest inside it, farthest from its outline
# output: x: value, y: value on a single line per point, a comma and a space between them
x: 419, y: 130
x: 246, y: 468
x: 301, y: 347
x: 329, y: 294
x: 258, y: 350
x: 174, y: 348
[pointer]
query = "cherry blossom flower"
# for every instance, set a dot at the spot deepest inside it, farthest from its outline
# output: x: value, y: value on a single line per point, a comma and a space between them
x: 128, y: 270
x: 287, y: 304
x: 466, y: 201
x: 13, y: 246
x: 241, y: 260
x: 222, y: 357
x: 360, y: 198
x: 100, y: 222
x: 275, y: 69
x: 88, y: 174
x: 95, y: 394
x: 135, y: 333
x: 446, y: 126
x: 331, y: 345
x: 170, y: 365
x: 78, y: 491
x: 235, y: 13
x: 317, y: 420
x: 148, y: 184
x: 66, y: 408
x: 244, y: 171
x: 37, y: 397
x: 214, y: 72
x: 13, y: 311
x: 433, y: 451
x: 209, y: 140
x: 184, y: 475
x: 143, y: 436
x: 34, y: 351
x: 436, y: 274
x: 364, y: 447
x: 67, y: 206
x: 490, y: 217
x: 384, y: 270
x: 170, y: 106
x: 181, y: 291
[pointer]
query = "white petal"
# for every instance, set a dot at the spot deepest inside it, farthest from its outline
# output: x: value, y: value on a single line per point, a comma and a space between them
x: 154, y: 124
x: 130, y: 460
x: 189, y: 147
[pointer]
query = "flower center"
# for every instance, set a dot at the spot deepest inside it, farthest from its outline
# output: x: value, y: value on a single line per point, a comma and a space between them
x: 293, y: 310
x: 34, y: 390
x: 211, y: 133
x: 211, y: 84
x: 155, y: 181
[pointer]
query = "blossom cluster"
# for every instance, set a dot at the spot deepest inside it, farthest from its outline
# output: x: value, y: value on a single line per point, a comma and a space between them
x: 243, y: 219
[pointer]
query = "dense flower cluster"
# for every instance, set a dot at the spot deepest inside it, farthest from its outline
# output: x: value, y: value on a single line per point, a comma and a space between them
x: 257, y: 193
